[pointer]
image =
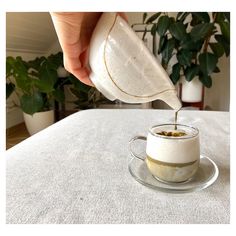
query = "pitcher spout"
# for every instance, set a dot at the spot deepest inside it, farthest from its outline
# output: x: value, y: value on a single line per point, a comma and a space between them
x: 170, y: 97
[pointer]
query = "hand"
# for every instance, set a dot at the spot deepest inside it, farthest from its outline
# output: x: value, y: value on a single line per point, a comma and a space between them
x: 74, y: 31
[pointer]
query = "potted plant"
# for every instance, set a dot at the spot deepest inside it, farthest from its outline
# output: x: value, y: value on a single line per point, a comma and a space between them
x: 86, y: 97
x: 34, y: 82
x: 191, y: 44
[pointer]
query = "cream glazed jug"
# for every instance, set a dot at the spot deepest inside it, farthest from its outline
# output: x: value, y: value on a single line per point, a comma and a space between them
x: 123, y: 68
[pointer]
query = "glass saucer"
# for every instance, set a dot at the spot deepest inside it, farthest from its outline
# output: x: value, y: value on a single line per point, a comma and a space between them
x: 205, y: 176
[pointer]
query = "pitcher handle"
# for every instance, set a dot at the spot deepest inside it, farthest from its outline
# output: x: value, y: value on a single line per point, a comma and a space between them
x: 133, y: 154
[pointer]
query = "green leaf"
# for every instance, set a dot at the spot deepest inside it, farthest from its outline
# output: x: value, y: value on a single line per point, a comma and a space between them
x: 19, y: 70
x: 191, y: 72
x: 175, y: 75
x: 207, y: 62
x: 21, y: 66
x: 183, y: 16
x: 178, y: 30
x: 217, y: 49
x: 227, y: 16
x: 162, y: 25
x: 219, y: 17
x: 43, y: 85
x: 36, y: 63
x: 179, y: 14
x: 78, y: 84
x: 24, y: 82
x: 167, y: 50
x: 200, y: 31
x: 219, y: 38
x: 153, y: 18
x: 75, y: 92
x: 81, y: 96
x: 10, y: 87
x: 47, y: 78
x: 163, y: 40
x: 172, y: 20
x: 10, y: 60
x: 31, y: 103
x: 225, y: 30
x: 8, y: 69
x: 144, y: 16
x: 55, y: 60
x: 59, y: 95
x: 195, y: 20
x: 153, y: 29
x: 184, y: 57
x: 189, y: 44
x: 202, y: 16
x: 206, y: 80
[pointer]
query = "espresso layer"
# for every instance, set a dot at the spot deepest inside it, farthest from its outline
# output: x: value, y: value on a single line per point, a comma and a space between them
x: 170, y: 164
x: 172, y: 172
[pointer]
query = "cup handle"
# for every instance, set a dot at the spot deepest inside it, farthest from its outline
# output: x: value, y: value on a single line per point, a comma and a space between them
x: 130, y: 146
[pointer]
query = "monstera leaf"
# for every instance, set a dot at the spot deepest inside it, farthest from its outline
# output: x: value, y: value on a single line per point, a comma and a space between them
x: 31, y: 104
x: 47, y: 79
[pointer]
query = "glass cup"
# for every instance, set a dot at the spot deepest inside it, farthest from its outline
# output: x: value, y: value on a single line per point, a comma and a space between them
x: 170, y: 158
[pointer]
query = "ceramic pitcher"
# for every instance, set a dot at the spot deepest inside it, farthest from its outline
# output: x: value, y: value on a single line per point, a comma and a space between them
x: 123, y: 68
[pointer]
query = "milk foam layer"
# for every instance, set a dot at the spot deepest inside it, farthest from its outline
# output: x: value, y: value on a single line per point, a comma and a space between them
x: 173, y: 149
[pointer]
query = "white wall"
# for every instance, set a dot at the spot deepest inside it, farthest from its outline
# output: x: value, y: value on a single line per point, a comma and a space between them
x: 54, y: 48
x: 218, y: 96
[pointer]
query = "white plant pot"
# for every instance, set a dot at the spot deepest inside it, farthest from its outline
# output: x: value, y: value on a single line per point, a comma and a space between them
x: 191, y: 91
x: 38, y: 121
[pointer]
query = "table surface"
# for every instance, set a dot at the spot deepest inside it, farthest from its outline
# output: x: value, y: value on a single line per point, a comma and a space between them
x: 76, y: 171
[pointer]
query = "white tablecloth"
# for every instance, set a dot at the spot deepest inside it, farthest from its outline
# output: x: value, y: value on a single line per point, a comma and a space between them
x: 76, y: 171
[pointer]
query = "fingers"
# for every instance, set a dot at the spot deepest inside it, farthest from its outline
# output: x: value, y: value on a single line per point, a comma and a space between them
x: 74, y: 31
x: 123, y: 15
x: 83, y: 75
x: 75, y: 67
